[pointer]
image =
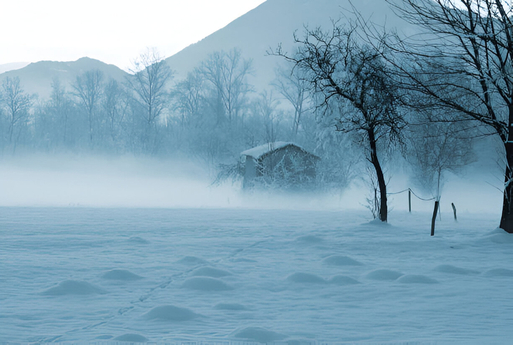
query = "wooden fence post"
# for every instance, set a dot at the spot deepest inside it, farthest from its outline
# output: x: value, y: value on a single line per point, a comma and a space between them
x: 433, y: 220
x: 454, y: 210
x: 409, y: 200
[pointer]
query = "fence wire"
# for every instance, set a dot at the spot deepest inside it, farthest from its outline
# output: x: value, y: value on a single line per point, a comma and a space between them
x: 412, y: 192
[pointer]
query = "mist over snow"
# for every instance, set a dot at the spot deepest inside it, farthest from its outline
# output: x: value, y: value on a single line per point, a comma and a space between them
x: 123, y: 181
x: 130, y: 181
x: 238, y: 205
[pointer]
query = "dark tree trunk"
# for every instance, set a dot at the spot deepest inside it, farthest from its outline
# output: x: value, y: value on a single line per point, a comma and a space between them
x: 383, y: 208
x: 507, y: 204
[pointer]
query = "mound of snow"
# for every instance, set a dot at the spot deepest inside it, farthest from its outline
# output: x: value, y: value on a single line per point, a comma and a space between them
x: 73, y: 287
x: 121, y: 275
x: 192, y: 260
x: 343, y: 280
x: 377, y: 222
x: 230, y: 306
x: 206, y: 284
x: 500, y: 236
x: 171, y: 313
x: 309, y: 239
x: 210, y: 272
x: 307, y: 278
x: 384, y: 275
x: 299, y: 342
x: 454, y: 270
x: 138, y: 240
x: 416, y: 279
x: 259, y: 334
x: 339, y: 260
x: 499, y: 272
x: 134, y: 338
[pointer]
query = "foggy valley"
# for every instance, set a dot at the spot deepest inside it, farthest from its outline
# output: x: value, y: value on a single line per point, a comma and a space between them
x: 315, y: 172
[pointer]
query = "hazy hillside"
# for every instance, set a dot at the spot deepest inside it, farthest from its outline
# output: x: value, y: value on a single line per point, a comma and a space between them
x: 12, y: 66
x: 274, y: 22
x: 37, y: 77
x: 257, y: 31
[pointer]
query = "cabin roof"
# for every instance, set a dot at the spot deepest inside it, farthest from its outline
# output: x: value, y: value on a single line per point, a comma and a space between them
x: 260, y: 151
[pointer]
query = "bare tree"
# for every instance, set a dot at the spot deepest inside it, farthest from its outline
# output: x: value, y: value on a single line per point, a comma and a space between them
x: 351, y: 85
x: 17, y: 104
x: 188, y: 96
x: 463, y: 64
x: 111, y: 105
x: 88, y: 88
x: 227, y: 74
x: 60, y: 109
x: 436, y: 148
x: 148, y: 82
x: 265, y: 107
x: 294, y: 89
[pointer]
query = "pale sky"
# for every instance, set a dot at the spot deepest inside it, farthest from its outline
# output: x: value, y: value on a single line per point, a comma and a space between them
x: 113, y: 31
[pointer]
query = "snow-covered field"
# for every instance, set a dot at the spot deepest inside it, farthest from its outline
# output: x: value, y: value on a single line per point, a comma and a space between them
x: 71, y: 274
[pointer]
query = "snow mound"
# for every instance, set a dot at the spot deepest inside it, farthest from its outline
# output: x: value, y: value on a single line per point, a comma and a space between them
x: 383, y: 274
x: 259, y: 334
x: 206, y: 284
x: 230, y: 306
x: 500, y: 236
x: 73, y: 287
x: 377, y: 222
x: 416, y: 279
x: 124, y: 275
x: 138, y: 240
x: 299, y: 342
x: 309, y: 239
x: 454, y: 270
x: 171, y: 313
x: 133, y: 338
x: 343, y: 280
x: 210, y: 272
x: 499, y: 272
x: 192, y: 260
x: 339, y: 260
x: 307, y: 278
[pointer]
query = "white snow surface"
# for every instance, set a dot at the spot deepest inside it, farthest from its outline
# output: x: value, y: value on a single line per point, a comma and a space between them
x: 113, y: 275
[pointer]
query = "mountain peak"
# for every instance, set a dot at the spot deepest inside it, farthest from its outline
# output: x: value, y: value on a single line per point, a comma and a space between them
x: 37, y: 77
x: 272, y: 23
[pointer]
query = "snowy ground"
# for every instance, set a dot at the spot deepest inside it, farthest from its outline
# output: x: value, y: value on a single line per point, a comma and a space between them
x: 170, y: 275
x: 111, y: 250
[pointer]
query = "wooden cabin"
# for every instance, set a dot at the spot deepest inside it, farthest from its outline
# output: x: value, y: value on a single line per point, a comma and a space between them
x: 279, y: 164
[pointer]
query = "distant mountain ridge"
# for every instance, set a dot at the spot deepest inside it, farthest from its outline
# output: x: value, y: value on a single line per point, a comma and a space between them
x: 255, y: 33
x: 37, y: 77
x: 275, y: 22
x: 12, y: 66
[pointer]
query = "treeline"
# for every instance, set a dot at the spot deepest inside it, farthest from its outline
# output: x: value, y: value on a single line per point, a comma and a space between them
x: 213, y: 114
x: 148, y: 113
x: 355, y: 95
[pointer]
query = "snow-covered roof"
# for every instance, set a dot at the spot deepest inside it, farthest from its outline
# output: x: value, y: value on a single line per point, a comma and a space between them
x: 259, y: 151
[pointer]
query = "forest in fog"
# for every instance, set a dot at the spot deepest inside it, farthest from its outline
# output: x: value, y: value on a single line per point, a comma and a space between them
x: 211, y: 116
x: 364, y: 100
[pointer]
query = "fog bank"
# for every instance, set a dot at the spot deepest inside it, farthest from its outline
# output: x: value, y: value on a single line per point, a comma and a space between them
x: 86, y: 181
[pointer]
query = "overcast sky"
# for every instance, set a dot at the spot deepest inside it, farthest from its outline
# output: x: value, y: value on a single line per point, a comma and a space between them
x: 114, y: 31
